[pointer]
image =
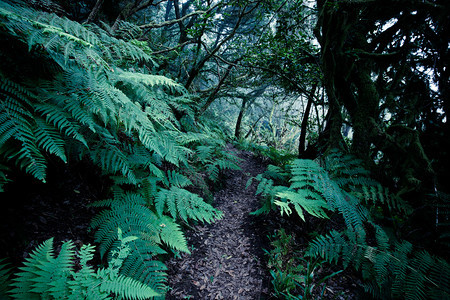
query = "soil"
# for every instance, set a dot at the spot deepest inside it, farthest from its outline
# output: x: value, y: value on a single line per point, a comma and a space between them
x: 227, y: 259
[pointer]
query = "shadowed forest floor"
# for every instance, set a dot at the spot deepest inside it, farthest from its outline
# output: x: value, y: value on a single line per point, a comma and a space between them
x: 227, y: 260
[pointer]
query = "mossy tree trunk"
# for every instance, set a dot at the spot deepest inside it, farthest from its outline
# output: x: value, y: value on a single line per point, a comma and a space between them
x: 347, y: 77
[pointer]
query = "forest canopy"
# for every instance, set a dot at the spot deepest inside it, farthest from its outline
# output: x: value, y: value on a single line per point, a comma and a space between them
x: 151, y: 92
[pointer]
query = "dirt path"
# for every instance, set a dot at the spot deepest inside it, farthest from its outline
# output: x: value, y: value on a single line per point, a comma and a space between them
x: 227, y: 258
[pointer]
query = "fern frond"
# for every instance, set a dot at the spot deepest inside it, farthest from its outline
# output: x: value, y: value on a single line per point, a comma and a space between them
x: 176, y: 179
x: 24, y: 285
x: 171, y: 234
x: 185, y: 204
x: 204, y: 153
x: 268, y: 191
x: 303, y: 193
x: 165, y: 146
x: 304, y: 200
x: 5, y: 273
x: 17, y: 123
x: 61, y: 120
x: 47, y: 277
x: 379, y: 195
x: 127, y: 30
x: 142, y: 266
x: 128, y: 287
x: 276, y: 173
x: 150, y: 80
x: 328, y: 246
x: 49, y: 139
x: 128, y: 211
x: 112, y: 159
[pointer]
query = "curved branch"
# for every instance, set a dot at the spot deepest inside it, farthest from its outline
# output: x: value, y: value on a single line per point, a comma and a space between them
x: 171, y: 22
x: 173, y: 48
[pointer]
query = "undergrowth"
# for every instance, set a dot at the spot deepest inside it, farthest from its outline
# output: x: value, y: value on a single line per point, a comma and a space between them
x: 69, y: 276
x: 294, y: 276
x: 70, y: 92
x: 389, y: 265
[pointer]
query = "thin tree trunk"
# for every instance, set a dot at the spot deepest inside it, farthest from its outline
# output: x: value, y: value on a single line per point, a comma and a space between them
x: 252, y: 128
x: 302, y: 139
x: 237, y: 131
x: 197, y: 68
x: 212, y: 96
x: 94, y: 11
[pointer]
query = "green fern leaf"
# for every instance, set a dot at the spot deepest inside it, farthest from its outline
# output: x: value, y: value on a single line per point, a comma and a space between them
x: 129, y: 288
x: 172, y: 235
x: 49, y: 139
x: 5, y: 273
x: 305, y: 200
x: 177, y: 179
x: 60, y: 119
x: 24, y: 284
x: 185, y: 204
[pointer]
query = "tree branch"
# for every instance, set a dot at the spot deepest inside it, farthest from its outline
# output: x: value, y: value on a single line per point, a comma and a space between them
x: 173, y: 48
x: 94, y: 11
x: 211, y: 97
x: 196, y: 69
x: 171, y: 22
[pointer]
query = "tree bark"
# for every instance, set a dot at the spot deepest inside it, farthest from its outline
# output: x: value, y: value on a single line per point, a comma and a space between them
x: 304, y: 125
x: 129, y: 10
x: 94, y: 11
x: 237, y: 130
x: 212, y: 96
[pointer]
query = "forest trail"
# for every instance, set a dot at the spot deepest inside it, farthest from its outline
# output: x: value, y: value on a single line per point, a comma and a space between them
x: 227, y: 256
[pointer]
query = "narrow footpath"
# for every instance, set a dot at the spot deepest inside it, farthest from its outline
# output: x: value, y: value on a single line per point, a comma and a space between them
x: 227, y: 260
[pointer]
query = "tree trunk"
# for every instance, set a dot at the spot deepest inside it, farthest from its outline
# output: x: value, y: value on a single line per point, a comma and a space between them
x: 94, y: 11
x: 212, y: 96
x: 237, y: 130
x: 365, y: 112
x: 302, y: 139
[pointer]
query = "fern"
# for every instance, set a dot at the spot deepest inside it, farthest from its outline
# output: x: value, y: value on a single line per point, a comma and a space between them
x: 344, y: 168
x: 214, y: 159
x: 185, y: 204
x: 88, y: 93
x: 130, y: 212
x: 268, y: 191
x: 113, y: 160
x: 97, y: 100
x: 17, y: 125
x: 5, y: 273
x: 391, y: 268
x: 176, y: 179
x: 301, y: 195
x: 50, y: 277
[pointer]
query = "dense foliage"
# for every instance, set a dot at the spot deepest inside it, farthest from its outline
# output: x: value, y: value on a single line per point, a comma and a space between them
x: 391, y: 265
x: 151, y: 92
x: 95, y: 98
